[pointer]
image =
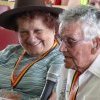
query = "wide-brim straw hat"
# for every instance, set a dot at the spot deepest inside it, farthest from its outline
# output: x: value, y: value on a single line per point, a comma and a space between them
x: 21, y: 6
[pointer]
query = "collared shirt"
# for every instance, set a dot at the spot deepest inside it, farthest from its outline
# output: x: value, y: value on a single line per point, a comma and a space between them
x: 89, y: 82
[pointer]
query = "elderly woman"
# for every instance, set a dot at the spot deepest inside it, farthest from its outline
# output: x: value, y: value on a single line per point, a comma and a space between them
x: 80, y: 35
x: 36, y: 60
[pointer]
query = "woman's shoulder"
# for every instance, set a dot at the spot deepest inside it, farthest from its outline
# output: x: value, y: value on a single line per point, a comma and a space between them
x: 10, y: 49
x: 55, y: 56
x: 56, y: 52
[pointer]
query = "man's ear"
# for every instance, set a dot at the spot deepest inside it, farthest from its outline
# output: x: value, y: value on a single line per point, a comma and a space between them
x: 96, y: 45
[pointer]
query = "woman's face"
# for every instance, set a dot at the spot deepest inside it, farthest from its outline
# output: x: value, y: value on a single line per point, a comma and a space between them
x: 34, y: 36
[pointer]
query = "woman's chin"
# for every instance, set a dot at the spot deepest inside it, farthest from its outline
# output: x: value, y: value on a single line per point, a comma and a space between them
x: 35, y: 53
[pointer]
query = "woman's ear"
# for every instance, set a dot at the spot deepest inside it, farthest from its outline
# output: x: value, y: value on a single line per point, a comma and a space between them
x: 96, y: 45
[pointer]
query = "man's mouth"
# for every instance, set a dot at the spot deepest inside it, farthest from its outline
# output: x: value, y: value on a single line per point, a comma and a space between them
x: 68, y: 57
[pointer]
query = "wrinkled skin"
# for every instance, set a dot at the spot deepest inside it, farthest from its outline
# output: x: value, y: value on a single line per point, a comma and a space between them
x: 77, y: 51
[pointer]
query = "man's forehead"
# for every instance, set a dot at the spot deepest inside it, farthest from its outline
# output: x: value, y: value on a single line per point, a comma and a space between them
x: 63, y: 28
x: 71, y: 29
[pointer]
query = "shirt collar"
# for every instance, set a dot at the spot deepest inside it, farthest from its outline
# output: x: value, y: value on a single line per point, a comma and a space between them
x: 95, y: 67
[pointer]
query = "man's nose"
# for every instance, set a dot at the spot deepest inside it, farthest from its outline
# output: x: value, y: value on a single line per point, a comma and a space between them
x: 97, y: 5
x: 63, y: 47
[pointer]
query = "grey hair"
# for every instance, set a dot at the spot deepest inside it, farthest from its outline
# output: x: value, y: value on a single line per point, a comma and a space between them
x: 89, y: 17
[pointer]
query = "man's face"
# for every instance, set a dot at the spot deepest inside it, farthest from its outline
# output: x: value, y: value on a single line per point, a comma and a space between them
x: 95, y: 3
x: 76, y: 50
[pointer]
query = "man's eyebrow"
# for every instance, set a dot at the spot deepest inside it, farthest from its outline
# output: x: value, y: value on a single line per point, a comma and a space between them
x: 36, y: 30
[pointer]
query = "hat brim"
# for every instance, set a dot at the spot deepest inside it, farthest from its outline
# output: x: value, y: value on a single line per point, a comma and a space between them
x: 6, y: 18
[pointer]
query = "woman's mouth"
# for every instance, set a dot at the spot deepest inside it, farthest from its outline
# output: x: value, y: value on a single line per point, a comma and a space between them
x: 36, y: 44
x: 33, y: 44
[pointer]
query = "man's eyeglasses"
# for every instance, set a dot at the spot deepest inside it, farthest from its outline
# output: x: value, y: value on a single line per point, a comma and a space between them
x: 69, y: 42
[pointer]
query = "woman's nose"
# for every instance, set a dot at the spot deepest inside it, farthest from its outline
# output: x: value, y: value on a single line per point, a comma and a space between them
x: 32, y: 36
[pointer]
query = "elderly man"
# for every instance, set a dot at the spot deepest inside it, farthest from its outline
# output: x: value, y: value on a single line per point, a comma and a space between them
x: 80, y: 35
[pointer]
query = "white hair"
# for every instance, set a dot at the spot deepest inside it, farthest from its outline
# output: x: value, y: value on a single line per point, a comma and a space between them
x: 87, y: 15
